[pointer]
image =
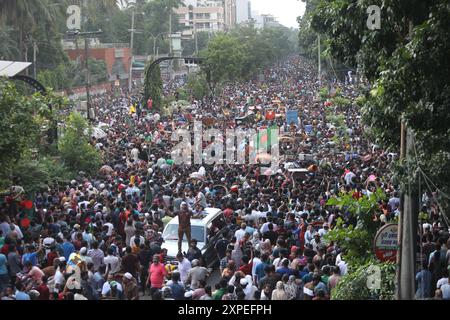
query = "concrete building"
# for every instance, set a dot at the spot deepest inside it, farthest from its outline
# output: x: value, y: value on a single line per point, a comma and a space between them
x: 230, y: 13
x: 208, y: 17
x: 242, y: 11
x: 117, y: 56
x: 269, y: 20
x: 257, y: 19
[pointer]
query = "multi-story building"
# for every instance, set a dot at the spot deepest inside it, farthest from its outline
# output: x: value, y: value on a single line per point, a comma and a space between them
x: 243, y: 11
x: 206, y: 16
x: 230, y: 13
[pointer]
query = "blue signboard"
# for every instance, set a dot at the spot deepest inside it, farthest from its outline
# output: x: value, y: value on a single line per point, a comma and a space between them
x: 292, y: 117
x: 308, y: 128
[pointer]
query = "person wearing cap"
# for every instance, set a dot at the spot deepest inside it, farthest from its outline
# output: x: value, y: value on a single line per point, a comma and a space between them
x: 130, y: 287
x: 196, y: 274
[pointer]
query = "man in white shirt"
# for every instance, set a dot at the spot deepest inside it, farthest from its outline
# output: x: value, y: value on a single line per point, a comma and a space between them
x: 256, y: 261
x: 184, y: 265
x: 349, y: 177
x: 112, y: 260
x: 109, y: 225
x: 239, y: 234
x: 324, y: 230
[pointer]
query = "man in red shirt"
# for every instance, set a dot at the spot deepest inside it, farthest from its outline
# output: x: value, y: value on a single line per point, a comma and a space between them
x: 156, y: 274
x: 246, y: 266
x: 44, y: 291
x: 150, y: 103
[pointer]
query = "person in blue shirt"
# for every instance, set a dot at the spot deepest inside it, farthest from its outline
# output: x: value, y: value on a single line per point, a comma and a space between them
x: 32, y: 255
x: 259, y: 271
x: 4, y: 277
x: 177, y: 288
x: 284, y: 269
x: 68, y: 249
x: 424, y: 278
x: 20, y: 293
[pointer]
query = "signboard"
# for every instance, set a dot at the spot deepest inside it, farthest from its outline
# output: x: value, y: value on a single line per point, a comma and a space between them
x: 308, y: 128
x: 292, y: 117
x: 386, y: 243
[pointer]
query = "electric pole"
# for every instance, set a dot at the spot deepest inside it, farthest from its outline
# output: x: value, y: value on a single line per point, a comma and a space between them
x: 319, y: 57
x: 408, y: 220
x: 87, y: 36
x: 34, y: 59
x: 130, y: 75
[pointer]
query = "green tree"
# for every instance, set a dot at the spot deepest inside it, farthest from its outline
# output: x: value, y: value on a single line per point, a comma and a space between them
x: 356, y: 239
x: 225, y: 57
x: 197, y: 86
x: 153, y: 86
x: 18, y: 128
x: 76, y: 151
x: 362, y: 283
x: 406, y: 62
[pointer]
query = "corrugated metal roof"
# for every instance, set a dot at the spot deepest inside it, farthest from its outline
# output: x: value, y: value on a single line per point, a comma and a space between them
x: 12, y: 68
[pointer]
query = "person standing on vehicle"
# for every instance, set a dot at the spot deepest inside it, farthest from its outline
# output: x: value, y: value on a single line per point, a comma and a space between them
x: 184, y: 224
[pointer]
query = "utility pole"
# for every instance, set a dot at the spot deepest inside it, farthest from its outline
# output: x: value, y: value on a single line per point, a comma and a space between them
x: 408, y: 221
x: 34, y: 59
x: 130, y: 76
x: 170, y: 31
x: 87, y: 36
x: 320, y: 62
x: 407, y: 229
x: 88, y: 82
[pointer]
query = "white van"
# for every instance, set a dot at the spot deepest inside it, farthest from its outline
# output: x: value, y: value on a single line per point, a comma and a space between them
x: 202, y: 230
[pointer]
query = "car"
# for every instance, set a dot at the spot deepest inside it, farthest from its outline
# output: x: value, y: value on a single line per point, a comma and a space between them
x: 206, y: 230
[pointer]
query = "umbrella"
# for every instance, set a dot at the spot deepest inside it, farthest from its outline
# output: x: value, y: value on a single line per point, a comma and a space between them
x: 286, y: 138
x: 98, y: 133
x: 106, y: 169
x: 196, y: 175
x: 263, y: 157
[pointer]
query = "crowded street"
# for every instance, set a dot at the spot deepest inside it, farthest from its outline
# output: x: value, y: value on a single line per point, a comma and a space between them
x: 224, y: 150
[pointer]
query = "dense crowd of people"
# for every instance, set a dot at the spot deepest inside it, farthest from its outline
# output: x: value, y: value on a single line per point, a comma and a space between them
x: 99, y: 237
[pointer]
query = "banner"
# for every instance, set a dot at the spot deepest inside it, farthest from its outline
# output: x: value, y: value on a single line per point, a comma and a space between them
x: 292, y: 117
x: 264, y: 138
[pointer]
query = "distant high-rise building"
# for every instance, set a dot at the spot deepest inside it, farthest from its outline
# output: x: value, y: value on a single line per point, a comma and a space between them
x: 242, y: 11
x: 203, y: 15
x: 230, y: 13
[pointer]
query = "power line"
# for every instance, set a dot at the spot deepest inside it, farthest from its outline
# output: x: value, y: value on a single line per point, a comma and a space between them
x: 427, y: 179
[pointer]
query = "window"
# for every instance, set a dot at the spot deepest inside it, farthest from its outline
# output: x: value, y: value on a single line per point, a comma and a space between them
x: 171, y: 233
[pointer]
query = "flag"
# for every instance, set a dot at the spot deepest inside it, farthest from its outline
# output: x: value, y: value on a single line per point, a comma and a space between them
x: 264, y: 138
x: 270, y: 115
x: 132, y: 109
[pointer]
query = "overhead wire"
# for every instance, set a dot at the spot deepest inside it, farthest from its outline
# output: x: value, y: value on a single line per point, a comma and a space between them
x: 427, y: 182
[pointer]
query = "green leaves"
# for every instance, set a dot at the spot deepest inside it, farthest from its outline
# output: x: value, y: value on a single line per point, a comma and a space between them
x: 246, y: 50
x: 153, y: 86
x: 76, y: 151
x: 360, y: 283
x: 356, y: 240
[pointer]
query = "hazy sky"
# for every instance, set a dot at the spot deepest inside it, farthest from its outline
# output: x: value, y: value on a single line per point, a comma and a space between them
x: 286, y: 11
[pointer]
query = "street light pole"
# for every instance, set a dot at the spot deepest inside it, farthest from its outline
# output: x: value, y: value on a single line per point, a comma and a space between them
x: 130, y: 76
x: 320, y: 62
x: 86, y: 36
